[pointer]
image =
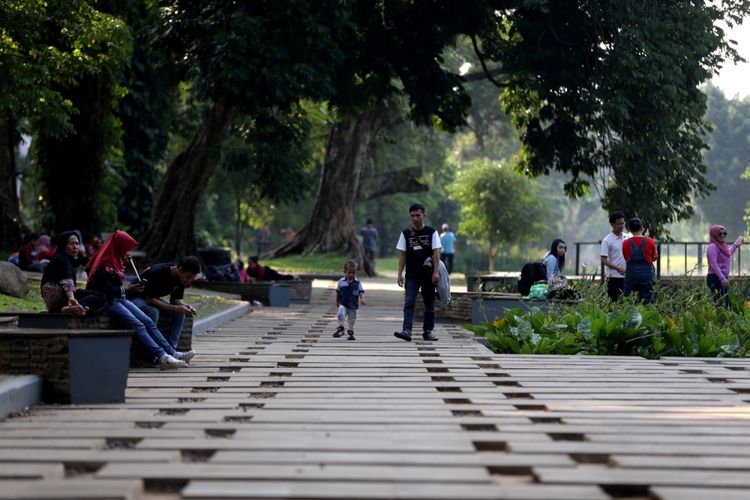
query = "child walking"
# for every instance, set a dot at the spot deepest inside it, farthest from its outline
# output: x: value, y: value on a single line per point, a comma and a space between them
x: 349, y: 294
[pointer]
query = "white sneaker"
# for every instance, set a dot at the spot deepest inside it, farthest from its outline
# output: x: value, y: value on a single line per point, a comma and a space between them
x: 168, y: 362
x: 185, y: 356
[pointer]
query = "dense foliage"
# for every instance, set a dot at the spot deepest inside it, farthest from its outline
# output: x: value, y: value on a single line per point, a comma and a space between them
x: 685, y: 321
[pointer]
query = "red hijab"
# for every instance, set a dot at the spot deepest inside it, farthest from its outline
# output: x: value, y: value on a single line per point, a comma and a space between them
x: 713, y: 235
x: 112, y: 253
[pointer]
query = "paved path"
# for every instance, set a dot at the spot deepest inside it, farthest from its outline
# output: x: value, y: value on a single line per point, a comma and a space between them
x: 274, y: 407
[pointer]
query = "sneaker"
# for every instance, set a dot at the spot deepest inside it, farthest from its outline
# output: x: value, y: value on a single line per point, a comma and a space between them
x: 339, y: 332
x: 168, y: 362
x: 429, y: 336
x: 405, y: 335
x: 351, y: 335
x: 185, y: 356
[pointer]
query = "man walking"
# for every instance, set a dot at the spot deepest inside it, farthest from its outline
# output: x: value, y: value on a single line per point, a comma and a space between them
x: 448, y: 240
x: 611, y: 256
x: 416, y: 245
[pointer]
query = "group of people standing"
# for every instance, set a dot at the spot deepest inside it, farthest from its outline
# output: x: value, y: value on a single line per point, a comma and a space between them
x: 137, y: 306
x: 629, y: 261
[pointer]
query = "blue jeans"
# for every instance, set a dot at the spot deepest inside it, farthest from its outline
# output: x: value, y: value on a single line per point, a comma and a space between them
x: 719, y: 291
x: 412, y: 284
x: 175, y: 323
x: 129, y: 316
x: 640, y: 278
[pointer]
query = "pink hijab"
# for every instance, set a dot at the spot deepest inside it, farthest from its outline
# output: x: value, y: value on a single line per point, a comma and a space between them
x: 713, y: 235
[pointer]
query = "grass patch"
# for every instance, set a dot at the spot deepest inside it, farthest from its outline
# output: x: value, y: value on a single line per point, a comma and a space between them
x: 31, y: 303
x: 204, y: 304
x: 329, y: 263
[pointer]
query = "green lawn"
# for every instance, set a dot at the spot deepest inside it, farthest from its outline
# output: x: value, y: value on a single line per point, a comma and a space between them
x: 322, y: 263
x: 204, y: 304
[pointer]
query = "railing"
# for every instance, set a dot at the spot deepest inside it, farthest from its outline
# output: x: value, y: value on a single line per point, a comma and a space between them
x: 689, y: 257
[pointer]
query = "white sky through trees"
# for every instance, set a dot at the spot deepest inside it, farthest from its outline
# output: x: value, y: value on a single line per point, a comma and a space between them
x: 734, y: 80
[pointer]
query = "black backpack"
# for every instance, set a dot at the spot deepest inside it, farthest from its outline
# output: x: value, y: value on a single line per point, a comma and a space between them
x: 531, y: 272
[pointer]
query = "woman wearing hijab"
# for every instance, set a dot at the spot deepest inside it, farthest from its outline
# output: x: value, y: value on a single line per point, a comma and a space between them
x: 719, y: 256
x: 59, y: 280
x: 106, y: 274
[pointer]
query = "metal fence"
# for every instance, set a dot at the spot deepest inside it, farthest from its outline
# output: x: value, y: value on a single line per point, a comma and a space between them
x: 675, y: 258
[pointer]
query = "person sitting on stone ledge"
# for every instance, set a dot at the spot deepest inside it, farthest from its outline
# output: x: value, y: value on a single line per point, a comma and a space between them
x: 59, y: 281
x: 164, y: 279
x: 106, y: 274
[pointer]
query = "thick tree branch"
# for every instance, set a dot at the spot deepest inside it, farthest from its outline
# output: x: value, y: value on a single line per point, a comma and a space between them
x: 480, y: 56
x: 405, y: 180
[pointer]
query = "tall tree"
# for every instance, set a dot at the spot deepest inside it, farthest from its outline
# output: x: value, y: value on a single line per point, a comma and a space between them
x: 498, y: 205
x: 45, y: 46
x: 246, y: 57
x: 146, y: 112
x: 727, y: 159
x: 608, y: 93
x: 81, y: 155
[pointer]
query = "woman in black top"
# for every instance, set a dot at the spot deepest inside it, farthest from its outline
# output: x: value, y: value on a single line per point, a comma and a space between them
x: 59, y: 280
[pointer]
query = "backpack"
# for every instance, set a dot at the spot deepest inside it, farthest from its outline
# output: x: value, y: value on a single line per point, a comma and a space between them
x: 531, y: 272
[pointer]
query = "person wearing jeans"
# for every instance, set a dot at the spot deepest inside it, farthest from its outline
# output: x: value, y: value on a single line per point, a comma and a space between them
x: 416, y: 245
x: 106, y: 274
x: 128, y: 315
x: 160, y: 280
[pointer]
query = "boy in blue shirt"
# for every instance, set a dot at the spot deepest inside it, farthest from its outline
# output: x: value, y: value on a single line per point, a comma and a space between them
x: 349, y: 294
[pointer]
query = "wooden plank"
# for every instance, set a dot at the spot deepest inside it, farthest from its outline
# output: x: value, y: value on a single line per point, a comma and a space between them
x: 72, y: 489
x: 382, y: 490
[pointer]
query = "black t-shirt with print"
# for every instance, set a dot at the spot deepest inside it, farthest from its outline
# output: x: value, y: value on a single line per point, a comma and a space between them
x: 418, y: 248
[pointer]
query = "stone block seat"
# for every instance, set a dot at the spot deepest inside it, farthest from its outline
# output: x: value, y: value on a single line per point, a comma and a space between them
x: 269, y: 293
x: 79, y: 366
x: 139, y: 355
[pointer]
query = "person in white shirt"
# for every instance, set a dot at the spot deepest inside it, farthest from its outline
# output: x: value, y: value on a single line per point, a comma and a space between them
x: 611, y: 256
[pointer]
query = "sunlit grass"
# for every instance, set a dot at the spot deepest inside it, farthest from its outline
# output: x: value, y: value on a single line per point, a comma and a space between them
x: 204, y: 304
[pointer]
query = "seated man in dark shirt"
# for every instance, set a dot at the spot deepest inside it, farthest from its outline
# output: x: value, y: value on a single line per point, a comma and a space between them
x: 160, y: 280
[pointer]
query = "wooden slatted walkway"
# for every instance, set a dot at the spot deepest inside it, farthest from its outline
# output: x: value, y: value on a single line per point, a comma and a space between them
x: 274, y: 407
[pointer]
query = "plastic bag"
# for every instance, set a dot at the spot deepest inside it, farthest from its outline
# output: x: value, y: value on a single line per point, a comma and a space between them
x: 538, y: 291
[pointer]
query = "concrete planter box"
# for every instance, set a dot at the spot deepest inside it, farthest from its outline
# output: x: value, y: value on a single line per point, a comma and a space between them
x: 486, y: 309
x: 78, y: 366
x: 269, y: 293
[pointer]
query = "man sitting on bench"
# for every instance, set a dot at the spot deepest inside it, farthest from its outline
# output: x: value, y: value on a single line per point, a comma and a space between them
x: 166, y: 279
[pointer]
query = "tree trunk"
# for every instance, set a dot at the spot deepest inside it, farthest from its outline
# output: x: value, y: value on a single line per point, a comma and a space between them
x: 171, y: 233
x: 10, y: 213
x: 76, y: 192
x: 330, y: 227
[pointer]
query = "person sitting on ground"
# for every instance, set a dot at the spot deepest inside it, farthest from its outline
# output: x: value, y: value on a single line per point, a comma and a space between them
x: 106, y: 274
x: 258, y: 272
x: 93, y: 245
x: 244, y: 278
x: 59, y: 290
x: 45, y: 250
x: 349, y: 294
x: 27, y: 257
x: 160, y: 280
x: 555, y: 259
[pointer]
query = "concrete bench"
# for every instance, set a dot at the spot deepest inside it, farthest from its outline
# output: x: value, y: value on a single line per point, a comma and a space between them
x: 269, y: 293
x: 478, y: 307
x: 139, y: 353
x: 79, y: 366
x: 102, y: 321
